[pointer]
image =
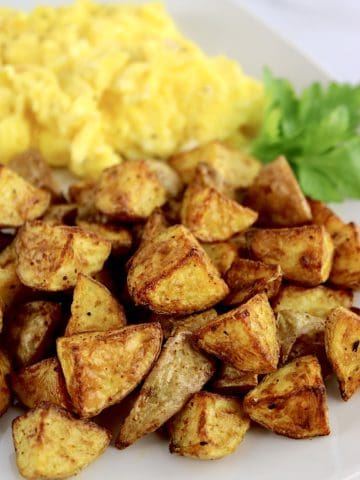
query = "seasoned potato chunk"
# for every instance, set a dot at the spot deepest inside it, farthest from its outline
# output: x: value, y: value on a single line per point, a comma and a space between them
x: 173, y: 274
x: 50, y: 443
x: 50, y: 257
x: 171, y: 324
x: 210, y: 426
x: 244, y: 337
x: 304, y: 253
x: 41, y: 382
x: 277, y: 196
x: 246, y: 278
x: 346, y: 266
x: 222, y: 255
x: 93, y: 308
x: 101, y: 368
x: 342, y: 339
x: 11, y: 287
x: 291, y: 401
x: 179, y: 372
x: 230, y: 381
x: 130, y: 191
x: 238, y: 168
x: 19, y: 200
x: 154, y: 225
x: 31, y: 331
x: 168, y: 176
x: 119, y: 237
x: 61, y: 214
x: 317, y: 301
x: 5, y: 395
x: 322, y: 215
x: 82, y: 193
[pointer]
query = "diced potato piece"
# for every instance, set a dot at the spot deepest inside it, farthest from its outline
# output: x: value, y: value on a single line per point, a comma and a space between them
x: 342, y: 340
x: 168, y: 176
x: 82, y: 193
x: 120, y: 237
x: 346, y: 266
x: 291, y: 401
x: 11, y: 287
x: 222, y: 255
x: 19, y: 200
x: 244, y: 337
x: 238, y: 168
x: 304, y: 254
x: 130, y: 191
x: 171, y: 324
x: 101, y: 368
x: 179, y: 372
x: 31, y: 331
x: 50, y: 443
x: 154, y: 225
x: 277, y: 196
x: 41, y: 382
x: 317, y: 301
x: 61, y: 214
x: 230, y: 381
x: 322, y: 215
x: 173, y: 274
x: 246, y: 278
x: 93, y: 309
x: 210, y: 426
x: 5, y: 395
x: 50, y: 257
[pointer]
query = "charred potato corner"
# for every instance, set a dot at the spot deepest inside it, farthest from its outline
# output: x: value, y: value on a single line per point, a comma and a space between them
x: 213, y: 314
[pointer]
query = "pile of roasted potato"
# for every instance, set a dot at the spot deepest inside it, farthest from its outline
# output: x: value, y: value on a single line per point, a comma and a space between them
x: 208, y: 288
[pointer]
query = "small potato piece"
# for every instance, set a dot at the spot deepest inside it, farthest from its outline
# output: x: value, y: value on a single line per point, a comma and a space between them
x: 322, y: 215
x: 346, y: 266
x: 154, y: 225
x: 304, y: 254
x: 50, y: 443
x: 277, y: 196
x: 246, y: 278
x: 101, y: 368
x: 50, y: 257
x: 244, y: 337
x: 230, y: 381
x: 317, y: 301
x: 61, y: 214
x: 31, y: 331
x: 171, y: 324
x: 5, y: 395
x: 93, y: 309
x: 210, y: 426
x: 11, y: 287
x: 291, y: 401
x: 130, y: 191
x: 41, y: 382
x: 82, y: 193
x: 119, y: 237
x: 19, y: 200
x: 168, y: 177
x: 238, y: 168
x: 222, y: 255
x: 173, y: 275
x: 179, y: 372
x: 342, y: 339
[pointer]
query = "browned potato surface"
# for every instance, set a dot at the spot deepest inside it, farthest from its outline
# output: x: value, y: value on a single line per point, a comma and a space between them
x: 5, y: 394
x: 244, y: 337
x: 119, y: 237
x: 291, y: 401
x: 346, y: 266
x: 172, y: 274
x: 61, y: 214
x: 171, y: 324
x: 154, y: 225
x: 230, y: 381
x: 168, y: 176
x: 50, y: 443
x: 304, y: 254
x: 50, y: 257
x: 322, y: 215
x: 11, y: 287
x: 222, y: 255
x: 82, y: 193
x: 101, y: 368
x: 342, y: 339
x: 210, y: 426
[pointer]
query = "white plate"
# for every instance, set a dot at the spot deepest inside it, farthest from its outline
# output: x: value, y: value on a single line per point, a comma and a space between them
x: 221, y: 27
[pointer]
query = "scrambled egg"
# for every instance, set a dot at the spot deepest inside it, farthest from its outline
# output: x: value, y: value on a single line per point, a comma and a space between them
x: 90, y: 84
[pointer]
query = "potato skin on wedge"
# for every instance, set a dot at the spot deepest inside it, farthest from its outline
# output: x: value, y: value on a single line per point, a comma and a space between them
x: 210, y: 426
x: 50, y: 443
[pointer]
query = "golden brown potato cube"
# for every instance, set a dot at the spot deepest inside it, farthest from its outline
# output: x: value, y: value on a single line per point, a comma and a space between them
x: 210, y: 426
x: 154, y: 225
x: 82, y: 193
x: 93, y: 309
x: 179, y: 372
x: 19, y: 200
x: 244, y: 337
x: 11, y: 287
x: 41, y: 382
x: 317, y: 301
x: 172, y: 274
x: 322, y: 215
x: 342, y: 339
x: 50, y: 443
x: 304, y: 254
x: 50, y: 257
x: 346, y: 265
x: 230, y: 381
x: 61, y: 214
x: 5, y: 395
x: 101, y: 368
x: 31, y: 331
x: 291, y: 401
x: 168, y: 177
x: 246, y: 278
x: 222, y: 255
x: 119, y: 237
x: 238, y: 168
x: 171, y: 324
x: 130, y: 191
x: 277, y: 196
